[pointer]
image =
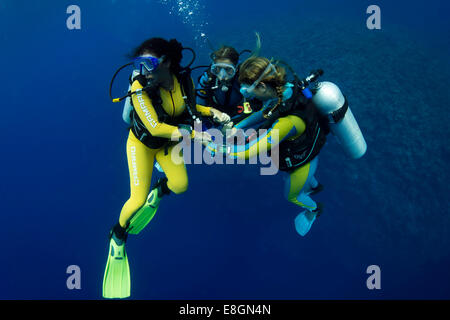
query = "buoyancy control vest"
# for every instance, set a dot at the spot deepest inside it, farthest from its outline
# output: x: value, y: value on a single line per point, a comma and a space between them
x: 299, y: 151
x: 189, y: 115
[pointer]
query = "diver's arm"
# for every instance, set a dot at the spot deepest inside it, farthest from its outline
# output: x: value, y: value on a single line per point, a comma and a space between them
x: 201, y: 107
x: 283, y: 128
x: 217, y: 115
x: 147, y: 113
x: 251, y: 121
x: 201, y: 96
x: 204, y: 111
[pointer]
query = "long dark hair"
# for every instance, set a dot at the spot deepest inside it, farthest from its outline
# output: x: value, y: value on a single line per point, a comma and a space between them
x: 161, y: 47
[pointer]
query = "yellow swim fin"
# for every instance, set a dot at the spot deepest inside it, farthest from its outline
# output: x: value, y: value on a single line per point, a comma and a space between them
x: 145, y: 214
x: 116, y: 280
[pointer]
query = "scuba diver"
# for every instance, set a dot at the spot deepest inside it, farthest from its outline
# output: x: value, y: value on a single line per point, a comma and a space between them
x: 219, y: 87
x: 302, y: 118
x: 163, y: 109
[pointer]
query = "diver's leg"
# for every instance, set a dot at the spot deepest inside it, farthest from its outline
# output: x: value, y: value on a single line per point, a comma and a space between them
x: 116, y: 279
x: 140, y: 165
x: 142, y: 217
x: 177, y: 179
x: 313, y: 183
x: 297, y: 187
x: 298, y: 184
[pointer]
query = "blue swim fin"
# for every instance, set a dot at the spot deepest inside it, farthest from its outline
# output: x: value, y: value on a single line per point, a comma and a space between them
x: 305, y: 219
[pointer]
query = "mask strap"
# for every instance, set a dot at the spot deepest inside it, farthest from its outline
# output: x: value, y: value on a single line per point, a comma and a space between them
x: 269, y: 66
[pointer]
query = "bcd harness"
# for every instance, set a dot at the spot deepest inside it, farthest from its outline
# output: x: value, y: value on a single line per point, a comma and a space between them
x: 208, y: 92
x: 188, y: 117
x: 299, y: 151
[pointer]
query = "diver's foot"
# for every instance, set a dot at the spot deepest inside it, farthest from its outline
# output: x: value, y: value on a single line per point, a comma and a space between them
x: 161, y: 187
x: 316, y: 189
x: 318, y: 211
x: 118, y: 234
x: 116, y: 280
x: 305, y: 219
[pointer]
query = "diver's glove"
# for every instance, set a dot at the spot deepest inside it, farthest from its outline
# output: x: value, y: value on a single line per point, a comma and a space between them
x: 187, y: 131
x: 227, y: 128
x: 201, y: 136
x: 231, y: 131
x: 228, y: 125
x: 214, y: 148
x: 220, y: 117
x: 205, y: 80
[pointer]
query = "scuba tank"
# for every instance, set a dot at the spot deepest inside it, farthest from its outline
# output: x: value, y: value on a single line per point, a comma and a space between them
x: 331, y: 103
x: 128, y: 107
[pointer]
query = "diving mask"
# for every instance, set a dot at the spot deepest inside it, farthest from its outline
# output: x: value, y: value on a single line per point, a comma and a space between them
x: 147, y: 64
x: 223, y: 71
x: 249, y: 91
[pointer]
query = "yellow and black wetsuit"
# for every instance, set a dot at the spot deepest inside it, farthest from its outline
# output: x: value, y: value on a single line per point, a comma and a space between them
x: 141, y: 157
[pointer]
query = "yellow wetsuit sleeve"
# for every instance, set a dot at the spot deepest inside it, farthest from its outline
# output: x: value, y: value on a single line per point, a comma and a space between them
x: 147, y: 113
x: 282, y: 129
x: 204, y: 111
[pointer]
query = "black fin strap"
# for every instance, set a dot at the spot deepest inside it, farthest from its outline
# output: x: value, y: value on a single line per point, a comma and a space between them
x: 162, y: 186
x: 119, y: 232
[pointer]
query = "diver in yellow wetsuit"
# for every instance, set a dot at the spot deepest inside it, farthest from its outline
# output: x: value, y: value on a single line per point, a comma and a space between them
x: 163, y: 103
x: 300, y: 133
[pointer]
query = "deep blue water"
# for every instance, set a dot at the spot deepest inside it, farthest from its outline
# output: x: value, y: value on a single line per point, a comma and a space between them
x: 64, y: 174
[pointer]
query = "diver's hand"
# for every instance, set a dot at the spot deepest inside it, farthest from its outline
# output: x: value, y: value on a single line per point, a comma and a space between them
x: 213, y: 148
x: 228, y: 125
x: 231, y: 132
x: 230, y: 135
x: 226, y: 128
x: 220, y: 117
x: 202, y: 137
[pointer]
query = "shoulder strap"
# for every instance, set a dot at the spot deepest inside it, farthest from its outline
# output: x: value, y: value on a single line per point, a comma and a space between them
x: 152, y: 91
x: 188, y: 92
x: 286, y: 107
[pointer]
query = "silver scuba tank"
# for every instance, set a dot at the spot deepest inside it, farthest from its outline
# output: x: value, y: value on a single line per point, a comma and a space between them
x: 127, y: 107
x: 331, y: 103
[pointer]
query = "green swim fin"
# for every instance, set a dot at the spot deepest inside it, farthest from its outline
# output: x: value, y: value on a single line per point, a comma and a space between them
x: 145, y: 214
x: 116, y: 281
